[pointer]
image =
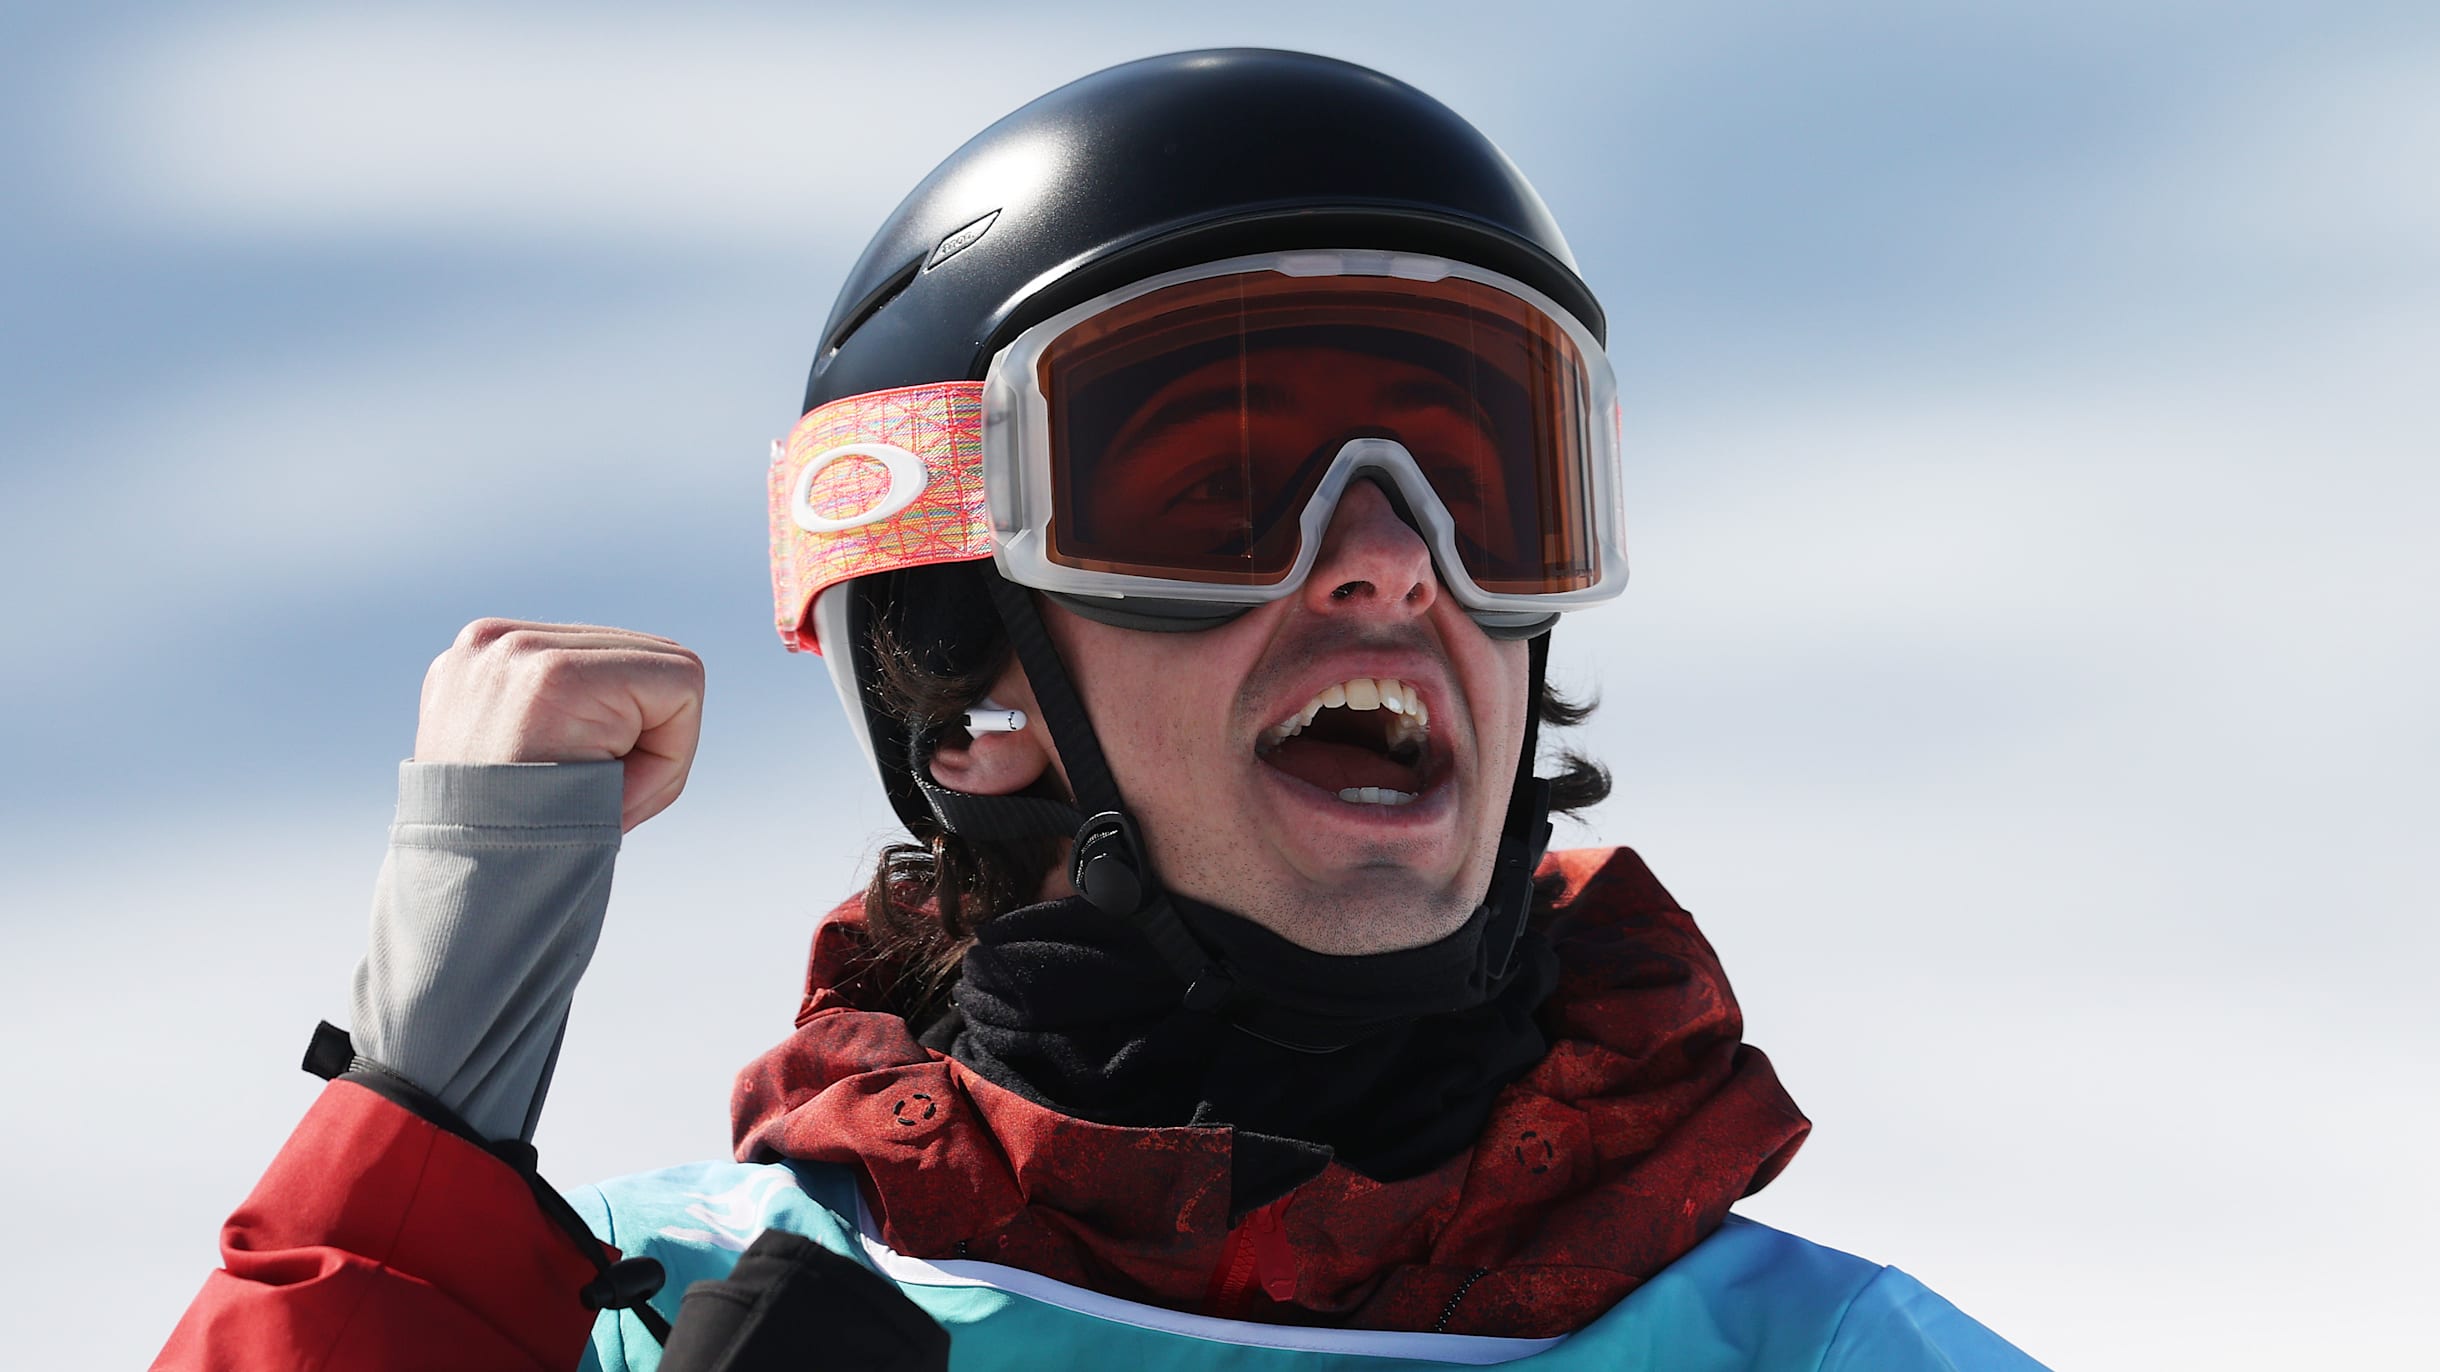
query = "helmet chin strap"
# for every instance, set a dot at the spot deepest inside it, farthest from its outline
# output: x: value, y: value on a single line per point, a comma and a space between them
x: 1110, y: 867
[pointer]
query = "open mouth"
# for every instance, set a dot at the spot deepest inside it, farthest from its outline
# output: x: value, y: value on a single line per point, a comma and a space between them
x: 1366, y: 740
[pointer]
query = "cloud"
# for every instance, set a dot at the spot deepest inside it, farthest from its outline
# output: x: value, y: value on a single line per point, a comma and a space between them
x: 2322, y: 160
x: 712, y: 130
x: 245, y: 484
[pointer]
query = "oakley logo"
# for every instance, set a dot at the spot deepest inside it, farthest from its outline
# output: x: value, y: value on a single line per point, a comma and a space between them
x: 907, y: 480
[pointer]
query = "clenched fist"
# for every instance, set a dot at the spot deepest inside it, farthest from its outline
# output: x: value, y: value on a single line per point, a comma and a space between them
x: 508, y: 691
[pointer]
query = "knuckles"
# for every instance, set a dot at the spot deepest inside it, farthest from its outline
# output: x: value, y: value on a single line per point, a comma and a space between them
x: 507, y: 656
x: 482, y: 633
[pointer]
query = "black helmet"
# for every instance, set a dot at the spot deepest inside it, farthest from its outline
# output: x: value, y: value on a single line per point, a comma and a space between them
x: 1153, y: 165
x: 1167, y: 162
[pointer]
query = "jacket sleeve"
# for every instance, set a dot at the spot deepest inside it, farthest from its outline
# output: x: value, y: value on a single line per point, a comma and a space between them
x: 490, y: 901
x: 381, y: 1239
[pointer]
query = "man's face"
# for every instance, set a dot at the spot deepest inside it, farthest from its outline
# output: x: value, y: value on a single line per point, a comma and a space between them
x: 1245, y: 751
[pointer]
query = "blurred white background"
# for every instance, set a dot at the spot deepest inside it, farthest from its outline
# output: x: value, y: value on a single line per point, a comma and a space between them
x: 2028, y: 678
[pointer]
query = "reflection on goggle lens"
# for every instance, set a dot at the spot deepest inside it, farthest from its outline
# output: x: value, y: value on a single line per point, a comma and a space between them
x: 1191, y: 427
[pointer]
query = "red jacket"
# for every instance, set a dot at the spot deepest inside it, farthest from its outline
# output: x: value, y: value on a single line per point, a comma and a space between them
x: 380, y: 1240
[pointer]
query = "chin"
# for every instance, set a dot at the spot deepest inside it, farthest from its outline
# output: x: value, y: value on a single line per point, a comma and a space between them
x: 1374, y: 911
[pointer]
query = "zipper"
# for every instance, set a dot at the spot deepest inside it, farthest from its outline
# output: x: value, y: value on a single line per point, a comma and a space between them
x: 1257, y: 1257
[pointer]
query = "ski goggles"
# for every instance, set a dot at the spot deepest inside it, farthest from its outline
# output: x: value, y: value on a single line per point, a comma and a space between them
x: 1173, y: 452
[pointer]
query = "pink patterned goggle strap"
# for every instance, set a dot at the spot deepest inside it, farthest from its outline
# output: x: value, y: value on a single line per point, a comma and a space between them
x: 875, y: 483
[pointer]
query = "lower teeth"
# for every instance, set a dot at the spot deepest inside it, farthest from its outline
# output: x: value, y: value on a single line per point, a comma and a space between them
x: 1375, y: 795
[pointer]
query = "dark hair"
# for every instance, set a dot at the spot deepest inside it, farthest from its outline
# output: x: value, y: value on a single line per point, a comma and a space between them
x: 926, y: 899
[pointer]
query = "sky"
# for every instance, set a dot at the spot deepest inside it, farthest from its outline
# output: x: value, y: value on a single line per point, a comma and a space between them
x: 2031, y: 468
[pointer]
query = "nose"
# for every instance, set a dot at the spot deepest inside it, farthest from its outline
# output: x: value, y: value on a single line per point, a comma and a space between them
x: 1370, y: 561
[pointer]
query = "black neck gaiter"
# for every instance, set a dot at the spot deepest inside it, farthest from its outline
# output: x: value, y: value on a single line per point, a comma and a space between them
x: 1073, y: 1009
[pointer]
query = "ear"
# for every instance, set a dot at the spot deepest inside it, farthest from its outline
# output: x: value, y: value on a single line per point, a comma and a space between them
x: 999, y: 764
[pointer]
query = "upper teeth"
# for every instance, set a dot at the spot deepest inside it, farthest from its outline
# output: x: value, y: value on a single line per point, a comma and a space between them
x: 1359, y: 693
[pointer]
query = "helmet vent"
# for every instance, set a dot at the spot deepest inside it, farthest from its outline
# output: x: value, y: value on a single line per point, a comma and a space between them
x: 958, y: 240
x: 872, y: 304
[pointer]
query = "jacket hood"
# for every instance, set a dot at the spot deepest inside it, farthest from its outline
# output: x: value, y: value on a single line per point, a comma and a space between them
x: 1618, y: 1152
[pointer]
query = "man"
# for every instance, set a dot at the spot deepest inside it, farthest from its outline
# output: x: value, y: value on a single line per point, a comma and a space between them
x: 1189, y: 480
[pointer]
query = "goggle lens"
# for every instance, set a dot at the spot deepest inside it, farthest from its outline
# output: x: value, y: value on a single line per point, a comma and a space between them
x: 1192, y: 425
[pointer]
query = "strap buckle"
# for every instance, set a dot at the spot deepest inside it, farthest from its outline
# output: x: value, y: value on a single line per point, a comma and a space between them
x: 1107, y: 865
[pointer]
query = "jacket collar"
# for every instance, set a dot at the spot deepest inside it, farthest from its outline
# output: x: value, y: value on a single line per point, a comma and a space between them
x: 1617, y: 1151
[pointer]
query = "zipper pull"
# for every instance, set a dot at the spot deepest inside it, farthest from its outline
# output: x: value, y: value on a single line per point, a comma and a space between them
x: 1274, y: 1259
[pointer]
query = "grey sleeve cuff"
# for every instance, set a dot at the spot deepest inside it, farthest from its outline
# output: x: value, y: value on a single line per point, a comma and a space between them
x: 485, y: 916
